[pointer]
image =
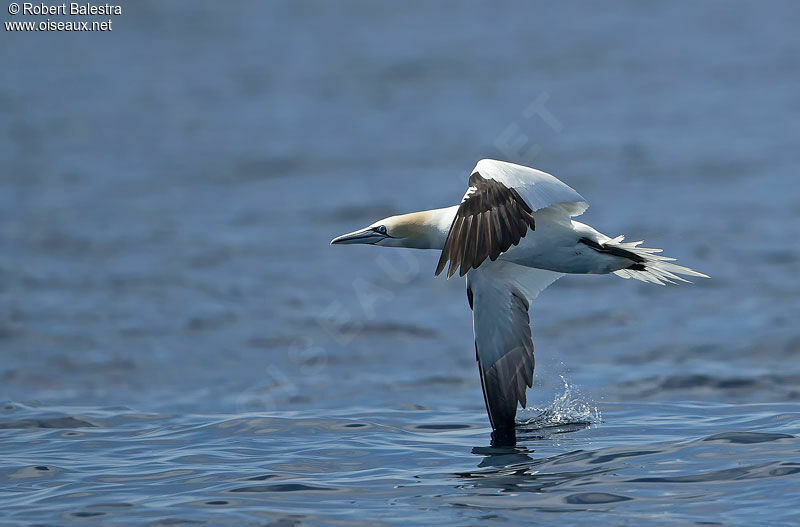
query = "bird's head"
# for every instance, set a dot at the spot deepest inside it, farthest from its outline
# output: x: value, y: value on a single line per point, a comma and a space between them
x: 413, y: 230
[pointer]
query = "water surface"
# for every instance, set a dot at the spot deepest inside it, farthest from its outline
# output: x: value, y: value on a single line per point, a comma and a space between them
x: 644, y: 463
x: 180, y: 345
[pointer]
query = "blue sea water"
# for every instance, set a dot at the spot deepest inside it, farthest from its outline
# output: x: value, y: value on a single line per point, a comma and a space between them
x: 180, y: 345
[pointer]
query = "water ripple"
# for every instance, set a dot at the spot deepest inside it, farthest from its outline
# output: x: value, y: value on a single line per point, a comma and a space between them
x: 130, y: 468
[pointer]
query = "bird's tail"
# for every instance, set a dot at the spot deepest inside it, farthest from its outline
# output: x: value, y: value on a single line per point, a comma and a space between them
x: 650, y: 266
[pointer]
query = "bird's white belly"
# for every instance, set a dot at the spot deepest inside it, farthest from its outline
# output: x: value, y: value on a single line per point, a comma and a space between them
x: 556, y: 246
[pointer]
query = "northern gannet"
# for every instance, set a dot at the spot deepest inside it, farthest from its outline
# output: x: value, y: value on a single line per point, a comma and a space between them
x: 513, y: 235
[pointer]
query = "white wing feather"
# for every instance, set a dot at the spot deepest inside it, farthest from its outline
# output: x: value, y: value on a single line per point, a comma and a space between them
x: 538, y: 189
x: 501, y: 296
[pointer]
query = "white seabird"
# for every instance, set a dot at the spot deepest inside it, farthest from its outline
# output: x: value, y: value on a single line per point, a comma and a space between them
x: 513, y: 235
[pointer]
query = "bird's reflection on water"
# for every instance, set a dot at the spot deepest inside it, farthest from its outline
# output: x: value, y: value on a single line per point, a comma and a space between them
x: 509, y: 463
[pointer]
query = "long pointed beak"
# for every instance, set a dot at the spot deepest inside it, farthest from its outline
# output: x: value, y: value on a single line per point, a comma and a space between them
x: 360, y: 236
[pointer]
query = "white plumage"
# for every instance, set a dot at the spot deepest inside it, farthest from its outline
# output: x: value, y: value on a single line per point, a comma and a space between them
x: 539, y: 189
x: 512, y: 235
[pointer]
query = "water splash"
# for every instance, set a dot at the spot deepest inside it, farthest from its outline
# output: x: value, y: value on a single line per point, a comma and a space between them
x: 568, y: 410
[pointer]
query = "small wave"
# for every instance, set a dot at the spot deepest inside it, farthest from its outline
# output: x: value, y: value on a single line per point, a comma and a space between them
x: 64, y: 422
x: 568, y: 409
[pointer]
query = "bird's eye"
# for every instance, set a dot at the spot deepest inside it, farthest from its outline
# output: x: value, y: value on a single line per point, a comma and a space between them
x: 381, y: 229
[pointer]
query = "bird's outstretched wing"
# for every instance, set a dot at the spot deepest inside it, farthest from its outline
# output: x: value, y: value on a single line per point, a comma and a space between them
x: 497, y: 211
x: 500, y: 294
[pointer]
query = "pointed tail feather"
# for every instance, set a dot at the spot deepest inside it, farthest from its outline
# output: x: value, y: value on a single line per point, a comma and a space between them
x: 653, y: 268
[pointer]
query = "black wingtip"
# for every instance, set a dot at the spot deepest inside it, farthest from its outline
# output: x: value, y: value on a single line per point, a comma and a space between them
x: 440, y: 266
x: 451, y: 270
x: 504, y: 437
